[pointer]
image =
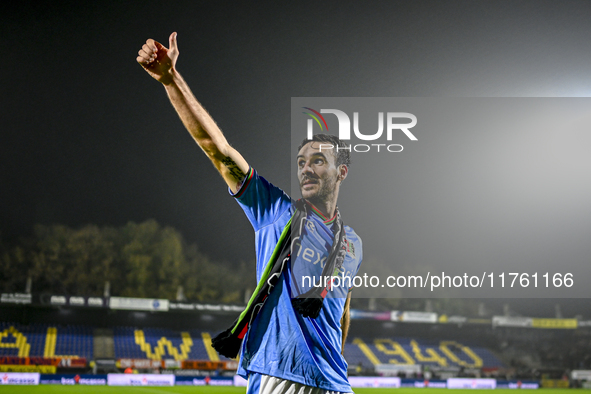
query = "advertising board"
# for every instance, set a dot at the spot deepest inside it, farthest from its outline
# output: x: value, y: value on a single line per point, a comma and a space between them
x: 115, y: 379
x: 19, y: 378
x: 468, y: 383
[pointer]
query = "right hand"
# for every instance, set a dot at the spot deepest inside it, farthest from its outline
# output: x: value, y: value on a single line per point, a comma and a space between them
x: 158, y: 60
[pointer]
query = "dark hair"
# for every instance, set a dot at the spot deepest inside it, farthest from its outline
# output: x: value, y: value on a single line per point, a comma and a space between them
x: 342, y: 156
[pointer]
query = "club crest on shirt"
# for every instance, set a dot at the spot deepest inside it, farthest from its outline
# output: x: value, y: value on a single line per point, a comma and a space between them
x: 350, y: 248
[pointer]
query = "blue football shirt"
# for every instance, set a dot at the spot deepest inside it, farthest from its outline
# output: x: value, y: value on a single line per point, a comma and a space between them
x: 280, y: 342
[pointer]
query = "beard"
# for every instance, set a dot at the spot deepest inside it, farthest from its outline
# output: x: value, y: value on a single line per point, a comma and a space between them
x: 324, y: 191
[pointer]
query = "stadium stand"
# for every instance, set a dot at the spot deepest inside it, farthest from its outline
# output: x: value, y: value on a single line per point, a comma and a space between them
x: 41, y: 340
x: 517, y: 352
x: 367, y: 352
x: 162, y: 344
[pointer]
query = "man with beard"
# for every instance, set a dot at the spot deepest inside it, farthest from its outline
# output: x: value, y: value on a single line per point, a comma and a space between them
x: 293, y: 331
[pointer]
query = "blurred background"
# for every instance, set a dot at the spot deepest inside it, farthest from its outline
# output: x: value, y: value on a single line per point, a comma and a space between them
x: 118, y: 240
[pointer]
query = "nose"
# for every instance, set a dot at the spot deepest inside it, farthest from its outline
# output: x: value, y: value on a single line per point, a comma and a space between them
x: 307, y: 169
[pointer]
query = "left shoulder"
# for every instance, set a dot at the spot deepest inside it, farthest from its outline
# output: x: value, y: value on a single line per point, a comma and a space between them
x: 354, y: 245
x: 352, y: 235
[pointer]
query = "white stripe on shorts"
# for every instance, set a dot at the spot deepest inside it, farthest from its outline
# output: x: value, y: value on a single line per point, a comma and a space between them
x: 273, y: 385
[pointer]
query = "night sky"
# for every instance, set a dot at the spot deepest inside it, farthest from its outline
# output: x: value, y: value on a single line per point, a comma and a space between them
x: 89, y: 137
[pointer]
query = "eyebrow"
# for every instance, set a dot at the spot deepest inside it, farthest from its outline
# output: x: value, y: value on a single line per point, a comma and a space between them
x: 314, y: 154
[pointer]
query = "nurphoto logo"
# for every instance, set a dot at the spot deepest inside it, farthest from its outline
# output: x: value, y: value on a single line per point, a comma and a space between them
x: 393, y: 125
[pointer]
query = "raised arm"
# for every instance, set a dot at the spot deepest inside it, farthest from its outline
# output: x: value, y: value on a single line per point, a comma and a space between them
x: 160, y: 62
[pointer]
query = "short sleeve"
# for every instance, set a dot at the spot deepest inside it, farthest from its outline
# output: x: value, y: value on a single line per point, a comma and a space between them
x: 261, y: 201
x: 354, y: 252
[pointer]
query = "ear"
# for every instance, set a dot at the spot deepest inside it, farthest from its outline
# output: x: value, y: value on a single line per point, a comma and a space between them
x: 343, y: 170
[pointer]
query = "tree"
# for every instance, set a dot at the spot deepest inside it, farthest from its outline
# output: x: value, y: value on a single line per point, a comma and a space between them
x: 139, y: 260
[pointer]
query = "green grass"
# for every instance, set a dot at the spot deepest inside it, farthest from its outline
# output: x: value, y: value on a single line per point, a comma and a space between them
x: 57, y: 389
